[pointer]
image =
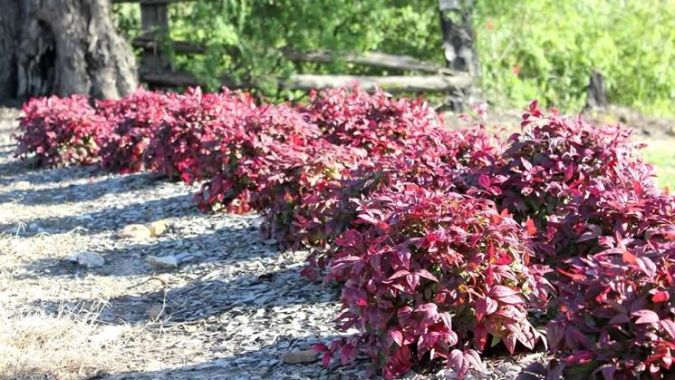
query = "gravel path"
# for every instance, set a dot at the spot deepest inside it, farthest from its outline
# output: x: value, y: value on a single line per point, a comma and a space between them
x: 230, y: 309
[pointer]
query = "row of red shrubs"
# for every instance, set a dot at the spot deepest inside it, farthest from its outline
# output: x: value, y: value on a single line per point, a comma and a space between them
x: 448, y: 244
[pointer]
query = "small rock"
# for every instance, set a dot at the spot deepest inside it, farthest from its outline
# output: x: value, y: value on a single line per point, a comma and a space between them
x: 88, y: 259
x: 257, y: 222
x: 157, y: 228
x: 219, y: 348
x: 271, y: 241
x: 107, y: 334
x: 164, y: 262
x: 23, y: 185
x: 297, y: 357
x: 184, y: 257
x: 155, y: 311
x: 671, y: 130
x: 135, y: 231
x: 33, y: 227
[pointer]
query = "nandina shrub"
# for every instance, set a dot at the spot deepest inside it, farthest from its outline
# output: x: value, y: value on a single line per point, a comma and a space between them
x: 615, y: 261
x: 311, y: 173
x: 553, y: 160
x: 433, y: 160
x: 134, y: 121
x: 617, y: 311
x: 436, y: 161
x: 60, y: 131
x: 256, y: 151
x: 619, y: 204
x: 189, y: 144
x: 375, y: 122
x: 434, y: 277
x: 350, y: 117
x: 601, y: 224
x: 312, y: 204
x: 605, y: 240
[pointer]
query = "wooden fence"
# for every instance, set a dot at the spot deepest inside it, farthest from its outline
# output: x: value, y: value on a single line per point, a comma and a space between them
x: 155, y: 68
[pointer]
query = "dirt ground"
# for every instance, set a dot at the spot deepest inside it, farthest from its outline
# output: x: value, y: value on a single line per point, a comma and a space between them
x: 231, y: 308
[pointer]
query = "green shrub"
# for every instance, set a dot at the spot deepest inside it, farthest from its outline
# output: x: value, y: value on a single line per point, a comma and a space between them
x: 547, y: 49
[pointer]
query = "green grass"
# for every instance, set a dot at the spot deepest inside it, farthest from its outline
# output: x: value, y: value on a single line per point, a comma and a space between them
x: 661, y: 154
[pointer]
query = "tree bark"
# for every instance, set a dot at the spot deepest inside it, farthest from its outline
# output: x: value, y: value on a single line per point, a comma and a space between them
x: 9, y: 30
x: 63, y: 47
x: 458, y: 35
x: 458, y: 44
x: 596, y: 94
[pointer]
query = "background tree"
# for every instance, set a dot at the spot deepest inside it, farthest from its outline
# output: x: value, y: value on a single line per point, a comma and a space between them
x: 62, y: 47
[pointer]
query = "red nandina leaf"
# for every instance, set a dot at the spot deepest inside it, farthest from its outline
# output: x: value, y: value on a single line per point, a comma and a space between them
x: 320, y: 347
x: 531, y: 227
x: 484, y: 181
x: 669, y: 326
x: 347, y: 354
x: 325, y: 359
x: 426, y: 274
x: 505, y: 295
x: 396, y: 336
x: 572, y: 276
x: 628, y: 257
x: 510, y: 343
x: 660, y: 296
x: 399, y: 274
x: 447, y: 320
x: 645, y: 316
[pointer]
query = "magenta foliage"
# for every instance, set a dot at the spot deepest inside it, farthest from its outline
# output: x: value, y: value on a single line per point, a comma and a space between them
x: 436, y: 276
x: 255, y: 152
x: 376, y: 122
x: 134, y: 121
x: 189, y: 144
x: 617, y: 311
x: 555, y: 159
x: 60, y: 131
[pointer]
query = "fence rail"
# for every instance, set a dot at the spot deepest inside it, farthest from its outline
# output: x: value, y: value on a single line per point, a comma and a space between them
x: 156, y: 70
x: 151, y: 2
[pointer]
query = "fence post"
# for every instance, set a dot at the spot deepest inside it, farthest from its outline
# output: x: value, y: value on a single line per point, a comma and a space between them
x: 458, y: 42
x: 154, y: 27
x: 596, y: 94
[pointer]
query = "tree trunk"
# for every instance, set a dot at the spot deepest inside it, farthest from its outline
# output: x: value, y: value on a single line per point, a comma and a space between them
x: 62, y: 47
x: 9, y: 29
x: 458, y: 43
x: 596, y: 94
x: 458, y: 35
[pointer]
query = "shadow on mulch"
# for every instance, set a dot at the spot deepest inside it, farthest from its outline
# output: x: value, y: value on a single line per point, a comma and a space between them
x: 254, y: 364
x: 228, y: 243
x: 202, y: 299
x: 113, y: 218
x: 261, y: 363
x: 17, y: 170
x: 81, y: 192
